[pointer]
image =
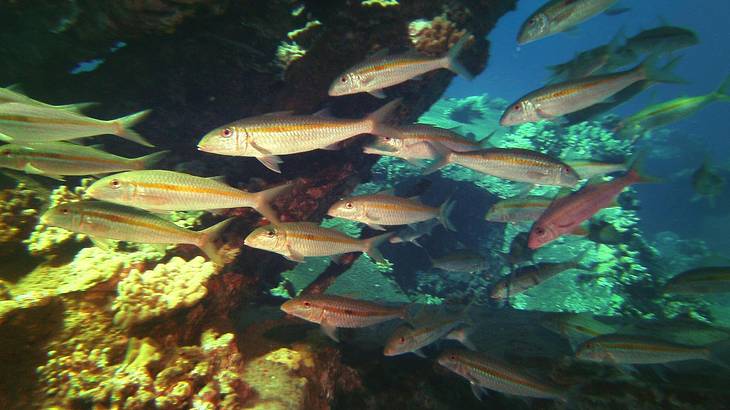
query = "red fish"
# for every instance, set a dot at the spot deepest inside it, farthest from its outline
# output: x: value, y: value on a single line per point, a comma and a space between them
x: 566, y: 214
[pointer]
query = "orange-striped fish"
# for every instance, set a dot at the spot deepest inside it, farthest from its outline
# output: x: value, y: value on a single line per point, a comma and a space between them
x: 576, y: 327
x: 297, y: 240
x: 528, y: 277
x: 8, y: 95
x: 159, y: 190
x: 57, y: 159
x: 514, y: 164
x: 332, y: 312
x: 699, y: 281
x: 380, y: 209
x: 409, y: 339
x: 266, y: 136
x: 417, y: 141
x: 557, y: 16
x: 22, y: 123
x: 518, y: 209
x: 485, y: 372
x: 631, y: 349
x: 103, y: 221
x: 554, y: 101
x: 382, y: 71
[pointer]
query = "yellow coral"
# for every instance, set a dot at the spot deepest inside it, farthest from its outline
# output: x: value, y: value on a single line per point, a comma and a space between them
x: 380, y: 3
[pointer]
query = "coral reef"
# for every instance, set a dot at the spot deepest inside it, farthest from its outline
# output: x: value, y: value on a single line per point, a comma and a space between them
x: 436, y: 36
x: 18, y: 215
x: 176, y: 284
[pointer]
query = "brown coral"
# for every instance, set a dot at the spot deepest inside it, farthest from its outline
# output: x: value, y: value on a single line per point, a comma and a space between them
x: 18, y: 215
x: 434, y: 37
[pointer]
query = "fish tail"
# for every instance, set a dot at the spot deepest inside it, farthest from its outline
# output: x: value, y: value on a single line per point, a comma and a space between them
x: 371, y: 247
x: 663, y: 74
x: 636, y: 175
x: 147, y: 161
x: 378, y: 118
x: 77, y: 108
x: 208, y: 236
x: 442, y: 159
x: 723, y: 91
x: 485, y: 141
x: 125, y: 125
x: 264, y: 199
x: 445, y: 213
x: 451, y: 59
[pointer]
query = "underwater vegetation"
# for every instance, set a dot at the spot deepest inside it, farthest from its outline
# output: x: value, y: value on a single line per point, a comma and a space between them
x: 204, y: 249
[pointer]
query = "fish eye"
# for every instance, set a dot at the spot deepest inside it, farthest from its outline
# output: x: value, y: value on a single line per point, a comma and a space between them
x: 343, y: 79
x: 307, y: 304
x: 6, y: 153
x: 65, y: 211
x: 568, y: 170
x: 271, y: 234
x: 386, y: 139
x: 452, y: 357
x: 402, y: 339
x: 531, y: 22
x: 540, y: 231
x: 517, y: 107
x: 226, y: 132
x: 115, y: 183
x: 348, y: 205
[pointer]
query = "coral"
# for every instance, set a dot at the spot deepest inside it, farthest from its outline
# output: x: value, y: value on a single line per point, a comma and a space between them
x: 168, y: 287
x: 187, y: 219
x: 288, y: 52
x: 379, y: 3
x: 48, y: 240
x: 434, y: 37
x: 18, y: 214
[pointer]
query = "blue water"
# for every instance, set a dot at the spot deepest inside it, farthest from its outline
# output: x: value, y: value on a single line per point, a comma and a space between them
x: 516, y: 70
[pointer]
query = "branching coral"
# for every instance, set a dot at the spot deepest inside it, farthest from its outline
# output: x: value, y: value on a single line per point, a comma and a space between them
x: 168, y: 287
x: 47, y: 240
x: 18, y: 214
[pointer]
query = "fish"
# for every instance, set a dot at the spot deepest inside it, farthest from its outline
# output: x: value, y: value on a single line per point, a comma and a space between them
x: 518, y: 209
x: 378, y: 210
x: 332, y: 312
x: 297, y: 240
x: 514, y: 164
x: 519, y: 252
x: 527, y: 277
x: 566, y: 213
x: 700, y: 281
x: 591, y: 169
x: 160, y: 190
x: 554, y: 101
x: 410, y: 339
x: 668, y: 112
x: 594, y: 61
x: 103, y: 221
x: 663, y: 39
x: 632, y: 349
x: 462, y: 260
x: 267, y: 136
x: 382, y: 71
x: 413, y: 232
x: 416, y: 142
x: 486, y: 372
x: 59, y: 159
x: 576, y: 327
x: 23, y: 123
x: 707, y: 183
x: 557, y: 16
x: 9, y: 95
x: 605, y: 233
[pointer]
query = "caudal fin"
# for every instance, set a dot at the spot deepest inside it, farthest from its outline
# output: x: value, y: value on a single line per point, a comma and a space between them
x: 208, y: 237
x: 264, y: 199
x: 371, y: 247
x: 125, y: 125
x: 442, y: 158
x: 378, y: 118
x: 451, y: 59
x: 147, y: 161
x: 723, y: 91
x: 663, y: 74
x: 636, y: 175
x: 445, y: 213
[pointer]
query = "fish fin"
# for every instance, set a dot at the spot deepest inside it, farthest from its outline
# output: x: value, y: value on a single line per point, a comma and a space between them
x: 285, y: 113
x: 371, y: 247
x: 218, y: 178
x: 416, y: 162
x: 16, y: 88
x: 332, y: 147
x: 479, y: 391
x: 263, y: 200
x: 378, y: 118
x: 151, y: 159
x: 635, y: 173
x: 330, y: 331
x: 102, y: 243
x: 461, y: 335
x: 379, y: 54
x: 376, y: 227
x: 271, y: 162
x: 484, y: 141
x: 377, y: 93
x: 717, y: 353
x: 293, y: 255
x: 208, y: 236
x: 336, y: 259
x: 415, y: 242
x: 324, y: 113
x: 419, y: 353
x: 451, y: 59
x: 445, y: 214
x: 125, y: 125
x: 6, y: 138
x: 723, y: 90
x: 31, y: 169
x: 443, y: 158
x: 77, y: 108
x: 662, y: 74
x: 580, y: 230
x: 616, y: 10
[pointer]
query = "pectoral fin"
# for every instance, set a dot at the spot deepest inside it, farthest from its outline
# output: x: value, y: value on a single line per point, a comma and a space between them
x: 330, y: 330
x: 271, y: 162
x: 377, y: 93
x: 293, y: 255
x: 102, y: 243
